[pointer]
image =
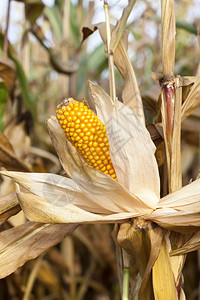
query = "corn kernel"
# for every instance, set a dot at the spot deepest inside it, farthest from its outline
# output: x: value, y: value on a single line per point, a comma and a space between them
x: 87, y: 133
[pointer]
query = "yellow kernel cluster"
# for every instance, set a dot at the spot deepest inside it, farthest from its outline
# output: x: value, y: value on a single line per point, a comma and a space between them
x: 87, y: 133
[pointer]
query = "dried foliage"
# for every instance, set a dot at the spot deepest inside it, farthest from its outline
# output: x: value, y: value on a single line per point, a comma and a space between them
x: 157, y: 83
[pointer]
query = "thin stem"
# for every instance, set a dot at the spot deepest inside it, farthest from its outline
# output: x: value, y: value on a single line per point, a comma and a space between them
x: 125, y: 292
x: 110, y: 54
x: 32, y: 277
x: 5, y: 45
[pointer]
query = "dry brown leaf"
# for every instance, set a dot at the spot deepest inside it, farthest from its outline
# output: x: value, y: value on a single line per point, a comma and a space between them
x: 143, y: 242
x: 25, y: 242
x: 132, y: 238
x: 7, y: 71
x: 21, y: 144
x: 192, y: 244
x: 155, y: 236
x: 192, y: 101
x: 9, y: 206
x: 8, y: 159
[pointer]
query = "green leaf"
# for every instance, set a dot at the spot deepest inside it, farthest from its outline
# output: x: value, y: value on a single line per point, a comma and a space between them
x: 29, y: 101
x: 74, y: 26
x: 53, y: 15
x: 97, y: 58
x: 3, y: 101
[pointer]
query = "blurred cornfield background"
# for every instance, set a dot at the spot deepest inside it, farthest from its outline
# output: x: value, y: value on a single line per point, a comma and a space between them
x: 47, y: 60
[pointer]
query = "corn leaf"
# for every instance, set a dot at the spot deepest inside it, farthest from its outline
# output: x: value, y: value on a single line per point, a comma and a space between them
x: 31, y: 238
x: 192, y: 244
x: 192, y: 101
x: 162, y: 276
x: 52, y: 14
x: 7, y: 71
x: 132, y: 153
x: 9, y: 206
x: 95, y: 184
x: 3, y: 101
x: 8, y: 158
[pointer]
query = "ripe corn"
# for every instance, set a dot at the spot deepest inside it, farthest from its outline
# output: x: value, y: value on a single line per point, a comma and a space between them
x: 87, y: 133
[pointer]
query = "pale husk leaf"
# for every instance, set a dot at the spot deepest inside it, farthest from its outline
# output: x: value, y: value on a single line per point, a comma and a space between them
x: 38, y: 209
x: 184, y: 199
x: 96, y: 185
x: 56, y: 189
x: 58, y: 139
x: 132, y: 154
x: 192, y: 101
x: 25, y: 242
x: 102, y: 101
x: 181, y: 221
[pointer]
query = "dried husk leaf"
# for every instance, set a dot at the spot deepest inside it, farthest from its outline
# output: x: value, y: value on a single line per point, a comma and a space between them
x: 155, y: 236
x: 95, y: 184
x: 25, y: 242
x: 57, y: 190
x: 132, y: 154
x: 180, y: 211
x: 183, y: 222
x: 168, y: 37
x: 9, y: 206
x: 59, y: 140
x: 8, y: 159
x: 192, y: 101
x: 132, y: 238
x: 177, y: 263
x: 102, y: 101
x: 38, y: 209
x: 162, y: 276
x: 143, y: 242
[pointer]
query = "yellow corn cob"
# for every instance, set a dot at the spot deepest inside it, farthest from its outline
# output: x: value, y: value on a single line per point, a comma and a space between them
x: 87, y: 133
